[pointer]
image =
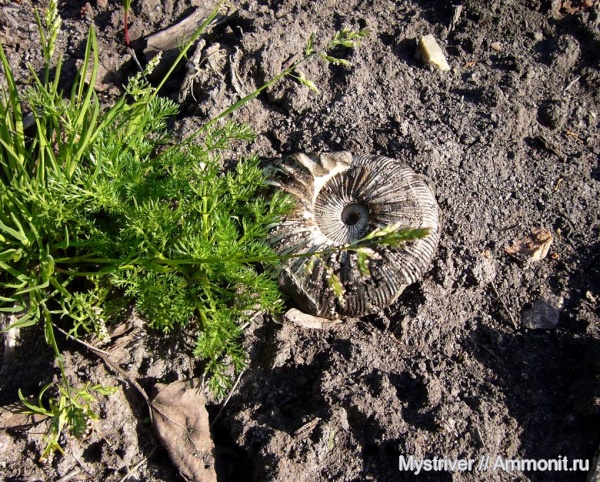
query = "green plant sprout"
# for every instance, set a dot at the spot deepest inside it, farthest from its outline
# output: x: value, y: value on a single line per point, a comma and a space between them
x: 69, y: 410
x: 344, y: 38
x: 101, y: 208
x: 394, y: 236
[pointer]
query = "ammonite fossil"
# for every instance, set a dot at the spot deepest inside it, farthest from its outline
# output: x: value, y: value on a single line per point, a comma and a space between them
x: 340, y: 198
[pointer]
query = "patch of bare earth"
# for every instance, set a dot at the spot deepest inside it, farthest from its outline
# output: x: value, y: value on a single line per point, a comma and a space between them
x: 491, y: 354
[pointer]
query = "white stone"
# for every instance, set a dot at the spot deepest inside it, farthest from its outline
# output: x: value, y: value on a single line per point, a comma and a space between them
x: 431, y: 53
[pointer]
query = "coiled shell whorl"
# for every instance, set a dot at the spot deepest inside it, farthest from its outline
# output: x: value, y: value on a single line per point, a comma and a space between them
x: 340, y: 198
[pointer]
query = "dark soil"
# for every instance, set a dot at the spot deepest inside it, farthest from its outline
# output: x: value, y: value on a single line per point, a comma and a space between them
x: 510, y: 140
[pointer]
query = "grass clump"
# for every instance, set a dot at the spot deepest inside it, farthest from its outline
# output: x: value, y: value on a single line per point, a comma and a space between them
x: 92, y: 207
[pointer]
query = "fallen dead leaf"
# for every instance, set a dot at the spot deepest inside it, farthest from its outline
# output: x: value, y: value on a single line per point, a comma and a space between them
x: 535, y: 246
x: 180, y: 422
x: 573, y: 6
x: 13, y: 417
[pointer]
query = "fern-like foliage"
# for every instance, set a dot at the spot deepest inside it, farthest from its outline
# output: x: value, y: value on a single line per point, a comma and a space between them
x: 119, y: 215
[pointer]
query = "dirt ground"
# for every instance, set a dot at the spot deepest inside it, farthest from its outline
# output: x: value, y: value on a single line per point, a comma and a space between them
x: 488, y: 355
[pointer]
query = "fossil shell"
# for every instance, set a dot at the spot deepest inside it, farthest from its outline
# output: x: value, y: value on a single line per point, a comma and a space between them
x: 339, y: 199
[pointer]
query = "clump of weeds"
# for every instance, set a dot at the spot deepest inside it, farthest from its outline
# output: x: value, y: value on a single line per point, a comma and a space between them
x: 98, y: 203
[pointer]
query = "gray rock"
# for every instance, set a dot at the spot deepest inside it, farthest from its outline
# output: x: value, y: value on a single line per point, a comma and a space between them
x: 544, y: 314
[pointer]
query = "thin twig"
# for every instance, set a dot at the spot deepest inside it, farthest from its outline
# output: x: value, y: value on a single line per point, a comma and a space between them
x: 70, y: 475
x: 572, y: 83
x: 504, y: 305
x: 135, y: 59
x: 81, y: 464
x: 87, y: 345
x: 137, y: 466
x: 122, y: 372
x: 233, y: 389
x: 105, y: 356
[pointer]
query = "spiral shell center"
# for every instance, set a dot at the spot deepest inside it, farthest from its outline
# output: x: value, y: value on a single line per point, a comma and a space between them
x: 343, y: 220
x: 354, y: 214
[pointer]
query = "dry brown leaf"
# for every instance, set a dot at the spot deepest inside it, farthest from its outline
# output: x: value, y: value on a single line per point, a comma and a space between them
x: 13, y: 417
x: 535, y: 246
x: 180, y: 421
x: 573, y: 6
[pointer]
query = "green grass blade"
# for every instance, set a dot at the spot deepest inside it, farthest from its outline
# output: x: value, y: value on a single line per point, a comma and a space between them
x: 90, y: 51
x: 9, y: 254
x: 22, y: 277
x: 11, y: 168
x: 58, y: 69
x: 13, y: 132
x: 19, y: 235
x: 39, y: 287
x: 89, y: 133
x: 81, y: 103
x: 11, y: 309
x: 45, y: 151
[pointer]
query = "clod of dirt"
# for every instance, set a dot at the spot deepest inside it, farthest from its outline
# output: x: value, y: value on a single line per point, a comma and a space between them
x: 570, y: 7
x: 566, y: 54
x: 203, y: 89
x: 484, y: 270
x: 544, y: 314
x: 180, y: 421
x: 430, y: 52
x: 552, y: 114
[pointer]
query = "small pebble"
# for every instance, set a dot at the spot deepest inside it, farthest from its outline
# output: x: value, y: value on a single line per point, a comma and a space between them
x: 87, y: 11
x: 497, y: 46
x: 431, y: 53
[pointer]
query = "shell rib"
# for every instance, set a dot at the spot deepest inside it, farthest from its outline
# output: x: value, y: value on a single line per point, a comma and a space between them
x: 339, y: 199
